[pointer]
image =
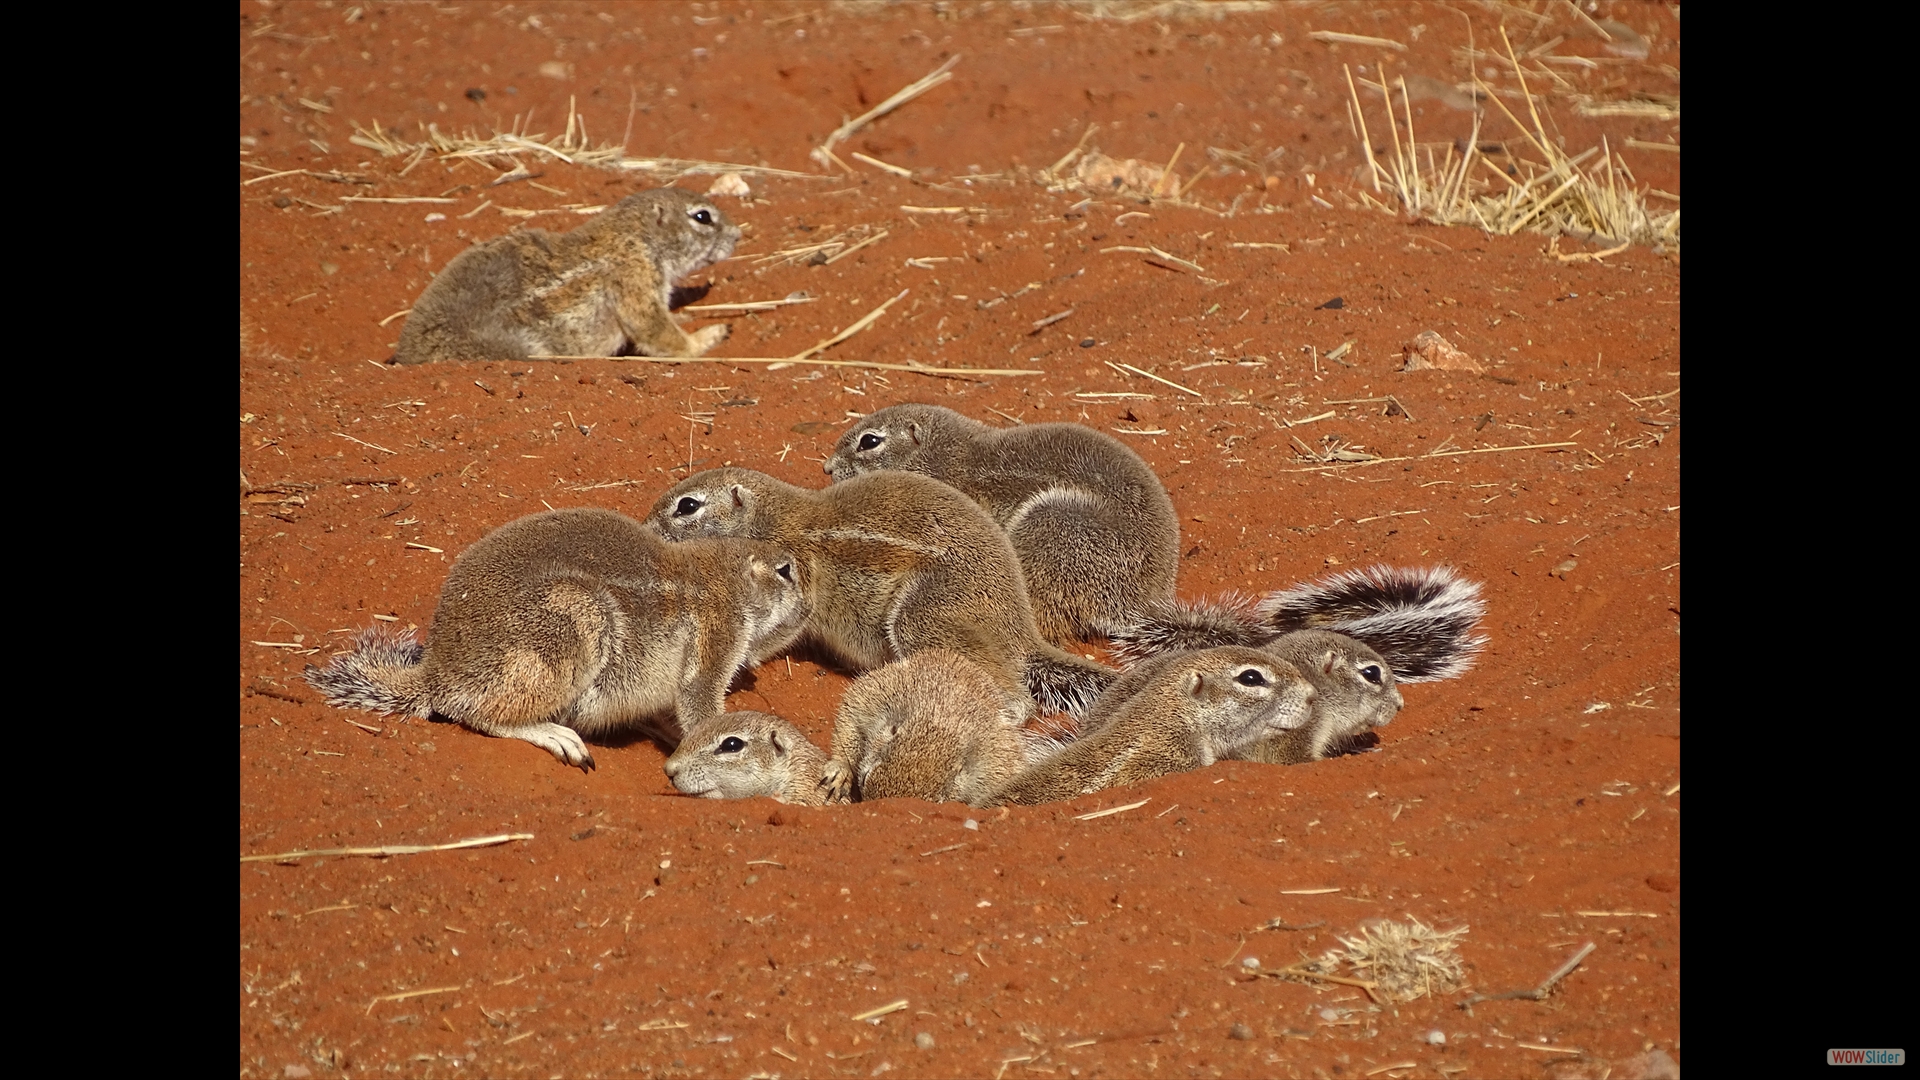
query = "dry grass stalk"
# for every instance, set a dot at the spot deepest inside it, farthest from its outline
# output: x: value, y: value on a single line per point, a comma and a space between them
x: 1558, y: 198
x: 1131, y: 11
x: 1111, y: 810
x: 391, y: 849
x: 882, y: 165
x: 775, y: 363
x: 874, y: 1014
x: 751, y: 305
x: 861, y: 324
x: 1356, y: 39
x: 824, y: 152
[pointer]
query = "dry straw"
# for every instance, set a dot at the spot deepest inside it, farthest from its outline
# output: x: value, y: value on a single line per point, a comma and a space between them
x: 504, y: 149
x: 1403, y: 960
x: 1564, y: 196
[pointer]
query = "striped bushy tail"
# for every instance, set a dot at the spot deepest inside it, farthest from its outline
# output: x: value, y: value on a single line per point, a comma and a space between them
x: 1063, y: 682
x: 1421, y: 620
x: 1167, y: 626
x: 381, y: 673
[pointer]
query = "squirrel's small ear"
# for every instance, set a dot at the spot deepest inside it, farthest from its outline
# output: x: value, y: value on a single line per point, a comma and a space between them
x: 1194, y: 685
x: 779, y: 743
x: 738, y: 500
x: 913, y: 431
x: 659, y: 213
x: 1326, y: 663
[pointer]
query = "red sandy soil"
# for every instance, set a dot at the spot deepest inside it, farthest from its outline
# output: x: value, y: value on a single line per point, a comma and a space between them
x: 1533, y: 800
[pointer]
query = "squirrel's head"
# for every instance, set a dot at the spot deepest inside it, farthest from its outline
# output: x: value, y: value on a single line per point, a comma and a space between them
x: 718, y: 502
x: 684, y: 231
x: 896, y: 437
x: 1239, y: 696
x: 737, y: 755
x: 776, y: 603
x: 1355, y: 685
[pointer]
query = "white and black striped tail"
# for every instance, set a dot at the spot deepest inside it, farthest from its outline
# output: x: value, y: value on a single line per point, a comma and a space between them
x: 1063, y: 682
x: 1422, y: 620
x: 1230, y: 619
x: 379, y: 673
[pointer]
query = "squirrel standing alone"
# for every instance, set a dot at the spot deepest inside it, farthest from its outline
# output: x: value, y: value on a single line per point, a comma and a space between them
x: 1095, y: 531
x: 579, y: 622
x: 596, y: 291
x: 893, y: 564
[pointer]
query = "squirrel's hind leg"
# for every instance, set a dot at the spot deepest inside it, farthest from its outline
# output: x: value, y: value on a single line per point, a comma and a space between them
x: 559, y: 740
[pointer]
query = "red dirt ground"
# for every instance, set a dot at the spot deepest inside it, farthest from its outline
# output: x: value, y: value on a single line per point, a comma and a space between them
x: 1533, y: 801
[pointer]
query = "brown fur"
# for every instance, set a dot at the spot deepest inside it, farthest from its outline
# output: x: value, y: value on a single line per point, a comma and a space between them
x: 581, y: 621
x: 749, y: 755
x: 596, y: 291
x: 1094, y: 529
x: 1185, y: 712
x: 893, y: 564
x: 934, y: 726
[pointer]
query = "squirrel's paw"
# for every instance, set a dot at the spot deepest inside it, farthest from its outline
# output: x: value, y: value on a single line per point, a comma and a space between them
x: 707, y: 337
x: 836, y: 779
x: 560, y: 741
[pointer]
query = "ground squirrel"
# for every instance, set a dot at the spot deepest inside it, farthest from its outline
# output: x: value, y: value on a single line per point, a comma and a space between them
x: 1422, y: 621
x: 580, y: 622
x: 1353, y: 693
x: 749, y: 755
x: 1184, y: 711
x: 893, y: 564
x: 1095, y: 531
x: 933, y: 726
x: 599, y: 290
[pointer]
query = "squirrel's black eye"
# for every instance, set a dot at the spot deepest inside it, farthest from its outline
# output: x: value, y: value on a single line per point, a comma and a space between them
x: 687, y: 505
x: 732, y: 744
x: 871, y: 439
x: 703, y: 217
x: 1250, y: 677
x: 785, y: 570
x: 1371, y: 673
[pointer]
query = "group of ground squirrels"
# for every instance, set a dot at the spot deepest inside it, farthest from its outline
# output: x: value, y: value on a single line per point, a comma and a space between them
x: 945, y: 564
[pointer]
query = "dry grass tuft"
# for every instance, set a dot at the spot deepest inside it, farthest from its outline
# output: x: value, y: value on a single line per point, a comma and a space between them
x: 1405, y: 961
x: 1559, y: 196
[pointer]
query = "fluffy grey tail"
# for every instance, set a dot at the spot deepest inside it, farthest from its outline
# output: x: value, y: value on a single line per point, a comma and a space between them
x: 1063, y: 682
x: 380, y: 673
x: 1230, y: 619
x: 1421, y: 620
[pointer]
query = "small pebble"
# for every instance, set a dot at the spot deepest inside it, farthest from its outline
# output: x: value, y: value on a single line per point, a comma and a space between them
x: 923, y: 1040
x: 970, y: 824
x: 1240, y: 1031
x: 1436, y: 1037
x: 1329, y: 1015
x: 1086, y: 343
x: 1250, y: 962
